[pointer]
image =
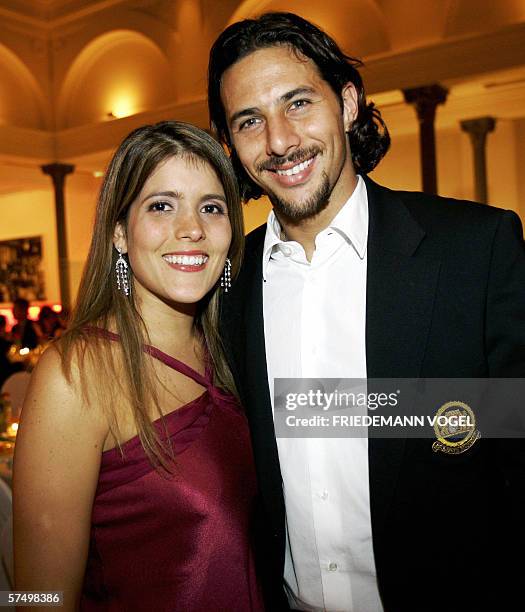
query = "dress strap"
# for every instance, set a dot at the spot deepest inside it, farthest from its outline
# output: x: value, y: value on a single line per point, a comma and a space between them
x: 166, y: 359
x: 175, y: 364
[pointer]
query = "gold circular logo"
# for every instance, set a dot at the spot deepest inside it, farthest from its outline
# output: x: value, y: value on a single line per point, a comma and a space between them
x: 455, y: 428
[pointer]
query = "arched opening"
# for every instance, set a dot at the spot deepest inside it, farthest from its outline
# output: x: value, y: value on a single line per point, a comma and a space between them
x: 21, y: 100
x: 118, y: 74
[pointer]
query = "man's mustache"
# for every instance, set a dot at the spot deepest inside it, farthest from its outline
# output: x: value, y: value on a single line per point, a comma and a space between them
x: 276, y: 161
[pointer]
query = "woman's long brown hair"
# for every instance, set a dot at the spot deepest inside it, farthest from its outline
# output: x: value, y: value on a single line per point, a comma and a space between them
x: 122, y: 371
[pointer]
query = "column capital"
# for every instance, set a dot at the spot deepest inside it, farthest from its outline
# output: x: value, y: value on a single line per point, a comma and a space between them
x: 479, y: 125
x: 57, y: 169
x: 425, y: 99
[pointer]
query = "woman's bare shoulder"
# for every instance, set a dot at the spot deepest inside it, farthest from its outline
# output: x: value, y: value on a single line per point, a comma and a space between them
x: 57, y: 389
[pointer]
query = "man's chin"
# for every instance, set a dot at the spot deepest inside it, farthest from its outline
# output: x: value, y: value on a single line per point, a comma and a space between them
x: 300, y: 209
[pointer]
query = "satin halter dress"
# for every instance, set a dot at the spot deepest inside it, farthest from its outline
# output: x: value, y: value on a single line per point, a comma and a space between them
x: 179, y: 543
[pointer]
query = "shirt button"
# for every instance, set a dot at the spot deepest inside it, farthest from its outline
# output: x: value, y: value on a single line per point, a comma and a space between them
x: 332, y: 567
x: 286, y: 250
x: 324, y: 495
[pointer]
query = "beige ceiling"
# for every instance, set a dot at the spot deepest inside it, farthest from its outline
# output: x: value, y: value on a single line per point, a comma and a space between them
x: 61, y: 61
x: 49, y: 11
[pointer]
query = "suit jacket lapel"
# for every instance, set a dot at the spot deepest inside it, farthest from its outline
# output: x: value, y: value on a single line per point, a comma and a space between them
x: 400, y: 296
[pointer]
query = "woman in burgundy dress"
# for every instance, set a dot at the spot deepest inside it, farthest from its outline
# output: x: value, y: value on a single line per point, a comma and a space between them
x: 134, y: 481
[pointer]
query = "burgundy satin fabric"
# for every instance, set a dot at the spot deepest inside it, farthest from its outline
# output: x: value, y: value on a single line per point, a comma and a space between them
x: 177, y: 543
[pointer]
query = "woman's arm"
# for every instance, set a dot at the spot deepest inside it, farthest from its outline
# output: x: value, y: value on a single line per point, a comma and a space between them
x: 57, y: 460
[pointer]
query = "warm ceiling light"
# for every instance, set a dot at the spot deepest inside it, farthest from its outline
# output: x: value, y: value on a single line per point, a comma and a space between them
x: 123, y: 107
x: 98, y: 174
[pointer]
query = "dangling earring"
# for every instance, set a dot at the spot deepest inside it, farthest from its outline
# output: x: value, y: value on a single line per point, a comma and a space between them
x: 226, y: 278
x: 122, y: 272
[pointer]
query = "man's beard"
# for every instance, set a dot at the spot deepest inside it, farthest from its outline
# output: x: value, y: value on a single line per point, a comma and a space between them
x: 296, y: 211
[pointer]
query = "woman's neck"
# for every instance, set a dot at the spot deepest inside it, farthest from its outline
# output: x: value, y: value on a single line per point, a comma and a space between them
x: 170, y: 328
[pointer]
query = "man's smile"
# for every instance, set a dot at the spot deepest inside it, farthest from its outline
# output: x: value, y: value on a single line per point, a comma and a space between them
x: 294, y: 169
x: 294, y: 173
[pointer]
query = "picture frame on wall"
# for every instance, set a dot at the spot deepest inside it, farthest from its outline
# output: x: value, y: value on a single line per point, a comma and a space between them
x: 21, y: 269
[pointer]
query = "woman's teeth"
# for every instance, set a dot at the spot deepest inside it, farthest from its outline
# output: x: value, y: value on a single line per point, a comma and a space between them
x: 186, y: 260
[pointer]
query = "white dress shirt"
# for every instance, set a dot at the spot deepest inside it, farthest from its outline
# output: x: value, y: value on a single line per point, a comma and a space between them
x: 314, y: 323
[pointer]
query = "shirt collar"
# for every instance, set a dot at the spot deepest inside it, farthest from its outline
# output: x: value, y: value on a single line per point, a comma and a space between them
x: 351, y: 222
x: 272, y: 238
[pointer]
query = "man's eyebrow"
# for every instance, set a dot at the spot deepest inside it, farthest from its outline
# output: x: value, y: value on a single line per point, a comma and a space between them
x: 246, y: 112
x: 298, y: 91
x: 286, y: 97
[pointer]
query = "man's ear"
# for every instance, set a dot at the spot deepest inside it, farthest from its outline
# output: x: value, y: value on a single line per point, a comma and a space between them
x: 119, y: 238
x: 349, y: 96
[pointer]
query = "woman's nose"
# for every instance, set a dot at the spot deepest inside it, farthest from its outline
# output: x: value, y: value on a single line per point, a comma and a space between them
x: 189, y: 226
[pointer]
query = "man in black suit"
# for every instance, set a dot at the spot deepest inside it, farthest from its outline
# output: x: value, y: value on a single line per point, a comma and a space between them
x: 352, y: 280
x: 23, y: 333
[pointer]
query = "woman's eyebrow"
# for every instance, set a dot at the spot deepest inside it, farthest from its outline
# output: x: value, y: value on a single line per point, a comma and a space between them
x: 166, y: 194
x: 213, y: 196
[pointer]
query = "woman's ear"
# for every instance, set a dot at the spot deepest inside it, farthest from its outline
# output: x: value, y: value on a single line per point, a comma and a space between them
x: 119, y: 238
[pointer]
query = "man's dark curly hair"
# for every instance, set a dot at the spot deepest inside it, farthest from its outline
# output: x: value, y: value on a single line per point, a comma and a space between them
x: 368, y: 136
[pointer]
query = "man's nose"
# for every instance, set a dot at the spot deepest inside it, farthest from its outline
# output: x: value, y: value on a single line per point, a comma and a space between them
x: 281, y: 136
x: 189, y: 226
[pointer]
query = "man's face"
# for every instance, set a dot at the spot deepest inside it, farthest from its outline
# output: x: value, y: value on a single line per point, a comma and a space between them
x: 19, y: 312
x: 289, y: 131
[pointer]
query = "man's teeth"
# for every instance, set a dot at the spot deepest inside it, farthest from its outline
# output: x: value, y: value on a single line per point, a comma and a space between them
x: 296, y: 169
x: 186, y: 260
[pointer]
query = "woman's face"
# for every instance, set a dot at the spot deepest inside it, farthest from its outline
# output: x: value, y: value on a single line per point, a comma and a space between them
x: 178, y: 232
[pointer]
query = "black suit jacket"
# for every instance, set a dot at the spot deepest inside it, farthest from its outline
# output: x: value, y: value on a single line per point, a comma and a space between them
x: 445, y: 298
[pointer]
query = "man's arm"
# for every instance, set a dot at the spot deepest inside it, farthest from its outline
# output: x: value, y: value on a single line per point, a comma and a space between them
x: 505, y: 314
